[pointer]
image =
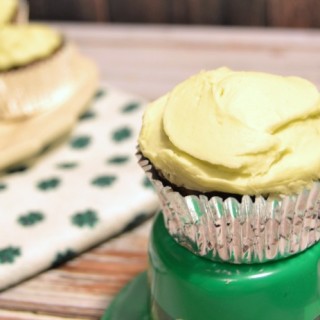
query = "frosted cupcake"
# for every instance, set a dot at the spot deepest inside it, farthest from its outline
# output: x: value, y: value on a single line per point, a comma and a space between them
x: 234, y: 158
x: 45, y: 83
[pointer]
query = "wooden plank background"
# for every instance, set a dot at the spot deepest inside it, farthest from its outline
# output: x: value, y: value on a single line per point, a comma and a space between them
x: 274, y: 13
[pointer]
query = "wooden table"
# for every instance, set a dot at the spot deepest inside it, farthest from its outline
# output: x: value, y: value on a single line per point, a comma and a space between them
x: 149, y: 60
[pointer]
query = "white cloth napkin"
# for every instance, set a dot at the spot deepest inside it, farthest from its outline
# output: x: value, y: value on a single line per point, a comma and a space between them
x: 76, y: 195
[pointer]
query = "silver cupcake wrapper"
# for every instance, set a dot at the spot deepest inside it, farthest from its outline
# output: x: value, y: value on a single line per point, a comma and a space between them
x: 246, y: 232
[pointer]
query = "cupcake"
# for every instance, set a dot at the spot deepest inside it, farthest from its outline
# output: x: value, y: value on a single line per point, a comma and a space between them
x: 235, y: 161
x: 13, y: 11
x: 45, y: 83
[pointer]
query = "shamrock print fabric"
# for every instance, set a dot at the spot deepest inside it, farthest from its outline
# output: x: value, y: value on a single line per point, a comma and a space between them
x: 78, y: 193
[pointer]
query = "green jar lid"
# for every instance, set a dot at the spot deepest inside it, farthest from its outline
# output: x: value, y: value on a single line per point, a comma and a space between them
x: 132, y: 302
x: 185, y: 286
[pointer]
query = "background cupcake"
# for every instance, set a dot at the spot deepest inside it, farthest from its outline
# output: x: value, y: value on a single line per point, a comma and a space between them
x: 45, y: 84
x: 234, y: 159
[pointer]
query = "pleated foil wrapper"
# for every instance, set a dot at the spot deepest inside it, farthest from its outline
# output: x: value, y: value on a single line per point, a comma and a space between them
x: 255, y: 230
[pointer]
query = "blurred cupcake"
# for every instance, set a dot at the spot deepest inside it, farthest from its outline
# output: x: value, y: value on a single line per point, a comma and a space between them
x: 45, y: 83
x: 235, y: 160
x: 13, y: 11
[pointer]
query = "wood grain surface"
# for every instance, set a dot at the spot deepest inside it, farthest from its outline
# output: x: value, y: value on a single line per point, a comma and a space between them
x: 148, y: 61
x: 288, y: 13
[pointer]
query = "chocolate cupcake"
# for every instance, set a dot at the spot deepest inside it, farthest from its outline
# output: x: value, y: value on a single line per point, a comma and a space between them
x: 45, y: 83
x: 234, y: 158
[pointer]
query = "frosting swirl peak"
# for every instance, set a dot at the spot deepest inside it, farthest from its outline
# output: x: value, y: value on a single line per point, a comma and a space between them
x: 236, y: 132
x: 23, y: 44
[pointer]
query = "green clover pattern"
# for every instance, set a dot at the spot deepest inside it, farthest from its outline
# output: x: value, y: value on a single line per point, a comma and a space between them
x: 48, y: 184
x: 87, y: 115
x: 59, y: 172
x: 104, y: 181
x: 62, y: 257
x: 31, y: 218
x: 100, y: 93
x: 118, y: 160
x: 67, y: 165
x: 9, y: 254
x: 130, y: 107
x: 80, y: 142
x: 147, y: 183
x: 121, y: 134
x: 88, y: 218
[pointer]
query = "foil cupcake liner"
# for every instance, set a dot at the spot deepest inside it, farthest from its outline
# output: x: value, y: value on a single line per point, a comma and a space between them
x: 253, y: 230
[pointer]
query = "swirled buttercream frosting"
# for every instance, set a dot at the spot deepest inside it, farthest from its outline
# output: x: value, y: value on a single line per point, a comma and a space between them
x: 236, y: 132
x: 21, y: 45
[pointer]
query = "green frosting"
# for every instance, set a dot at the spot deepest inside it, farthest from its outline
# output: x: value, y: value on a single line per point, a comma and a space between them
x: 236, y: 132
x: 24, y: 44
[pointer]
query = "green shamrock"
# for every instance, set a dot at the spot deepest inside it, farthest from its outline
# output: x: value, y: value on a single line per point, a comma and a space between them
x: 100, y: 93
x: 80, y: 142
x: 9, y: 254
x: 31, y: 218
x: 130, y: 107
x: 87, y: 115
x: 87, y: 218
x: 67, y: 165
x: 118, y: 159
x: 48, y: 184
x: 104, y: 181
x: 147, y: 183
x: 17, y: 169
x: 3, y: 186
x: 121, y: 134
x: 45, y: 149
x: 139, y: 219
x: 62, y: 257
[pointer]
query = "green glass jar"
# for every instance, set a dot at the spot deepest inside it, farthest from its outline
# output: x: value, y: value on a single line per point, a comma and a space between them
x: 187, y: 287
